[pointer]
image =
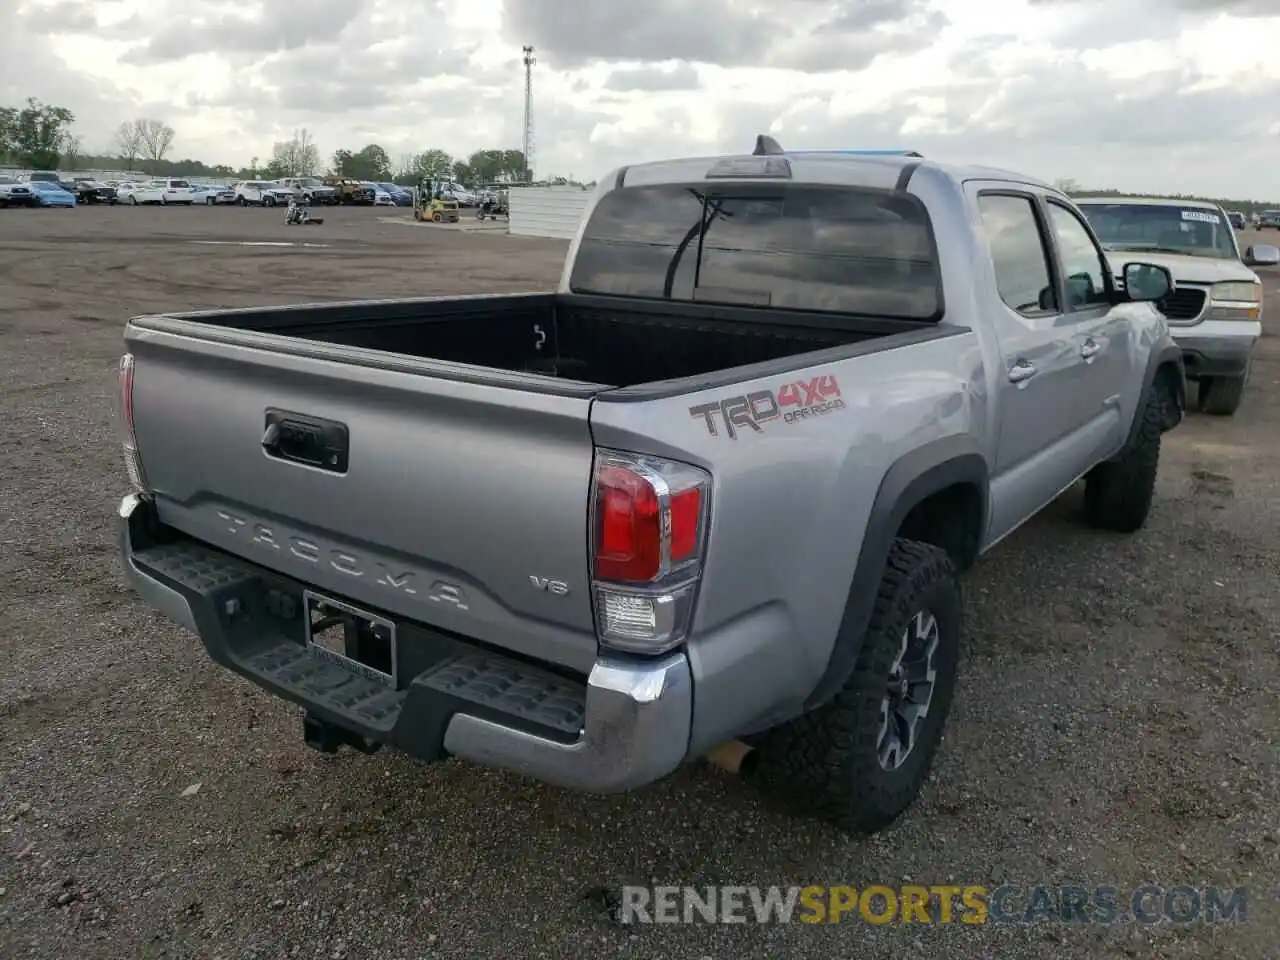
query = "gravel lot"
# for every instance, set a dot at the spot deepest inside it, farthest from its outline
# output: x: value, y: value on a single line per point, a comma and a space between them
x: 1117, y: 720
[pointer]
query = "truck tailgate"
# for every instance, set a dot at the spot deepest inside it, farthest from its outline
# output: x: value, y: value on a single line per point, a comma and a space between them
x: 462, y: 505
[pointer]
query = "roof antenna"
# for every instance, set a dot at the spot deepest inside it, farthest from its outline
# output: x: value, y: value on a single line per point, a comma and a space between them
x: 766, y: 146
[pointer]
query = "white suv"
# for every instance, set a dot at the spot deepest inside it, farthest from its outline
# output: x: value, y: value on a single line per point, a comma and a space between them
x: 263, y: 193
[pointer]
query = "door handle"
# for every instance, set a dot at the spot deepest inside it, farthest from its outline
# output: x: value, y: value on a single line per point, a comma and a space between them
x: 1021, y: 371
x: 1090, y: 348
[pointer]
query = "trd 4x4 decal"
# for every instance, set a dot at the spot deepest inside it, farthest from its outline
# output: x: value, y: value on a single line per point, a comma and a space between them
x: 793, y: 402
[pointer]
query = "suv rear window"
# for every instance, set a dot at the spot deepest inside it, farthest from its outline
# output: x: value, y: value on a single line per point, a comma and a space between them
x: 839, y: 250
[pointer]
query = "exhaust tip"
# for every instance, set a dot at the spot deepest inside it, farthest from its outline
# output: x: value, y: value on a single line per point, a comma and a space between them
x: 734, y: 757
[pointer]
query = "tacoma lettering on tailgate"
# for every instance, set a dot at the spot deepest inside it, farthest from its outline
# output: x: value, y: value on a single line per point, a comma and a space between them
x: 789, y: 404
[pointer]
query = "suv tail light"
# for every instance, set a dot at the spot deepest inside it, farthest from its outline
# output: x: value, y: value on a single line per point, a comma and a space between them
x: 649, y: 530
x: 132, y: 461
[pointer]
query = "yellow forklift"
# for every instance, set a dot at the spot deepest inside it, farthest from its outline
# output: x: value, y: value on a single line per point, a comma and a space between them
x: 430, y: 202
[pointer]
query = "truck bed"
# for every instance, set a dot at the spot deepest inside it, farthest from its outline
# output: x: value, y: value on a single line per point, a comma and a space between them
x: 612, y: 342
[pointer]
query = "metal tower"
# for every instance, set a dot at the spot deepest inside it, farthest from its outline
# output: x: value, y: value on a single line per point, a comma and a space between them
x: 529, y: 61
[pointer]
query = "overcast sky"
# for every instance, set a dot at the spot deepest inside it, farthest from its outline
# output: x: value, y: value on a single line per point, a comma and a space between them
x: 1153, y: 95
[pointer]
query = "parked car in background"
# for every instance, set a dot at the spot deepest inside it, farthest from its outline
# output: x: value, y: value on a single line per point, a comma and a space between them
x: 15, y: 193
x: 381, y: 198
x: 1269, y: 220
x: 49, y: 194
x: 262, y: 193
x: 1215, y: 309
x: 1238, y: 220
x: 350, y: 190
x: 219, y: 193
x: 310, y: 189
x: 88, y: 190
x: 133, y: 192
x: 43, y: 176
x: 164, y: 192
x: 401, y: 196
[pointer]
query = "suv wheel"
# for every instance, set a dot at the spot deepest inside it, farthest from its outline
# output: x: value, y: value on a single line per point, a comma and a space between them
x: 860, y: 760
x: 1221, y: 396
x: 1118, y: 493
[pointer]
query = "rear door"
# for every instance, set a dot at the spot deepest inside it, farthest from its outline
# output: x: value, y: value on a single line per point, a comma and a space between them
x: 1044, y: 438
x: 455, y: 503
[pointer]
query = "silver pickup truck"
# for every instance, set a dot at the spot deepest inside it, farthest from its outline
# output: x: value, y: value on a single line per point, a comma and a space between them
x: 715, y: 488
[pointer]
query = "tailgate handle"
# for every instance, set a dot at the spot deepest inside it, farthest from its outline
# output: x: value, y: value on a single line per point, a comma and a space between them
x: 309, y: 441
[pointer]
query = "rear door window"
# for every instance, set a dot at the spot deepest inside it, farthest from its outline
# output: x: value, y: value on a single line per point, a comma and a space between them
x: 839, y: 250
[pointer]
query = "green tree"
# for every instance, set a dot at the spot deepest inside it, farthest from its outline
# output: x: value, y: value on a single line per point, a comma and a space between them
x: 8, y: 131
x: 491, y: 166
x: 368, y: 163
x: 432, y: 164
x: 39, y: 132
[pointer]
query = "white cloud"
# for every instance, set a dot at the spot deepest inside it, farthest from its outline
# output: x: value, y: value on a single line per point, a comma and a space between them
x: 1157, y: 94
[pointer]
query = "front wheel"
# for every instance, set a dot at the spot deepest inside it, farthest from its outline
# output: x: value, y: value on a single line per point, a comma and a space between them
x: 1221, y: 396
x: 860, y: 760
x: 1118, y: 493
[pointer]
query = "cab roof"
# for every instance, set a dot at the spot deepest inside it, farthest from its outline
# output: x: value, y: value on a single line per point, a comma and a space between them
x: 1151, y: 202
x: 878, y: 168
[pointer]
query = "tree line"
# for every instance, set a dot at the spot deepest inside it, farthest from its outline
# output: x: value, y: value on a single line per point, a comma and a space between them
x: 41, y: 136
x: 1248, y: 207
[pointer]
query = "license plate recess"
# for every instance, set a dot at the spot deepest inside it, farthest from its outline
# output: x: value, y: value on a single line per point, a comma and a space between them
x: 356, y: 640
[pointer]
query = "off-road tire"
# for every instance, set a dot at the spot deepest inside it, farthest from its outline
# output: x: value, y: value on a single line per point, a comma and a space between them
x: 1220, y: 396
x: 825, y: 763
x: 1118, y: 493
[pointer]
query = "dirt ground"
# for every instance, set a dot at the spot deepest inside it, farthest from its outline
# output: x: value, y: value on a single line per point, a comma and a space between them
x: 1116, y: 724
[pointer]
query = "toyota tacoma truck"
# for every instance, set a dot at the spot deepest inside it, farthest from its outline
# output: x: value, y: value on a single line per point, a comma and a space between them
x: 1215, y: 312
x: 716, y: 488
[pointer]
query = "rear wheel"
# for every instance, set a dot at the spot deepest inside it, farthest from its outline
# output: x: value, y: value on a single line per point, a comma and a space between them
x: 860, y: 760
x: 133, y: 201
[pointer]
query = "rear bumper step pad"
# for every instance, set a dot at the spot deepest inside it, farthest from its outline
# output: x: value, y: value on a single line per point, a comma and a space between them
x: 627, y: 725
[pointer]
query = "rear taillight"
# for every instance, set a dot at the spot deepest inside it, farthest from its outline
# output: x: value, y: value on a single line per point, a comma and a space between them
x: 649, y: 526
x: 129, y: 440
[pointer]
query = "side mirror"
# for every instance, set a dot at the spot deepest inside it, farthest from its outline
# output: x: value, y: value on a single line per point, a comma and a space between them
x: 1146, y: 282
x: 1262, y: 255
x: 1079, y: 289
